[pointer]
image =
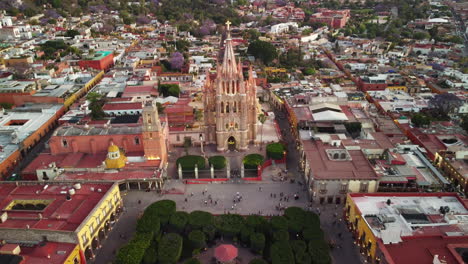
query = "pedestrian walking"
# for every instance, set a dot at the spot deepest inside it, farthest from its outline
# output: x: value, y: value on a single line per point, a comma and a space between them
x: 206, y: 202
x: 186, y: 199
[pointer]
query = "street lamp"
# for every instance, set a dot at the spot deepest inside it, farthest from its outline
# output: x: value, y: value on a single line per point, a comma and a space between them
x: 201, y: 143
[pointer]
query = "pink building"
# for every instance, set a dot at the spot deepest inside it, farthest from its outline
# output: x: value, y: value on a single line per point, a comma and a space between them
x: 333, y: 18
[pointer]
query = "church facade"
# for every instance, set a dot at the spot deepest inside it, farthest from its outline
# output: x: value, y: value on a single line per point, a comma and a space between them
x: 230, y: 104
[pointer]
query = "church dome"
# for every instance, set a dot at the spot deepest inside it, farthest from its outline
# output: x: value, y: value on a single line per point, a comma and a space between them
x: 113, y: 148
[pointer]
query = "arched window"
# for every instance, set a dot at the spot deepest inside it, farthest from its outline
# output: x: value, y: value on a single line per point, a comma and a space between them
x: 235, y: 107
x: 336, y: 156
x: 227, y: 126
x: 227, y: 107
x: 222, y: 107
x: 343, y: 156
x: 236, y: 126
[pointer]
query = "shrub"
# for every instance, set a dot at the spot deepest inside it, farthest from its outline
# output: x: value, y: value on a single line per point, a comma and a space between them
x: 218, y: 162
x: 197, y: 239
x: 258, y: 261
x: 281, y: 235
x: 257, y: 242
x: 170, y: 248
x: 275, y: 151
x: 281, y: 253
x: 200, y: 219
x: 252, y: 161
x: 188, y: 162
x: 279, y: 223
x: 178, y: 221
x: 229, y: 225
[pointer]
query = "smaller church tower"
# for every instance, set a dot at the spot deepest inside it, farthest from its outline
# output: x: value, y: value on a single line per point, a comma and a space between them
x: 154, y: 141
x: 115, y: 158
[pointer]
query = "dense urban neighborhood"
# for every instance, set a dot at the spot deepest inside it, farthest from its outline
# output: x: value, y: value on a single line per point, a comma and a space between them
x: 233, y: 132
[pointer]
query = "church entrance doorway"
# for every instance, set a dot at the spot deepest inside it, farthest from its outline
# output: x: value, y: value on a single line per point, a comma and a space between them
x: 231, y: 143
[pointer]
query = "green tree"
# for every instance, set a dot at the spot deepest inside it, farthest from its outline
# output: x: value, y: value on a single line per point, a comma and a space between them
x: 420, y: 120
x: 71, y: 33
x: 257, y: 242
x: 95, y: 105
x: 169, y: 90
x: 197, y: 239
x: 218, y: 162
x: 200, y: 220
x: 262, y: 119
x: 265, y: 51
x: 275, y: 151
x: 252, y: 161
x: 178, y: 221
x: 170, y: 248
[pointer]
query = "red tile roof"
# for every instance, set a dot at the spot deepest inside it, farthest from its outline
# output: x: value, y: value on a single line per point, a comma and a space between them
x: 50, y: 253
x: 324, y: 168
x: 60, y: 214
x: 122, y: 106
x: 423, y: 250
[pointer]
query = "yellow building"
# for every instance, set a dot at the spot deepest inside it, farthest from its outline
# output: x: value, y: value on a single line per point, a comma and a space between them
x: 80, y: 214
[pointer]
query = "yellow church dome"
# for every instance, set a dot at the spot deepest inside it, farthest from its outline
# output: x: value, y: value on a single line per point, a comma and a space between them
x: 113, y: 148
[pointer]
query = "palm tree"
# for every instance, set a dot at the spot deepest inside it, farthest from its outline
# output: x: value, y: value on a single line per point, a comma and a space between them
x: 262, y: 118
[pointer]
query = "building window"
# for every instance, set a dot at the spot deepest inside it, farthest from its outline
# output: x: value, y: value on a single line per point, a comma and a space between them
x: 104, y: 209
x: 98, y: 220
x: 91, y: 229
x: 323, y: 187
x: 178, y: 138
x: 137, y: 141
x: 84, y: 238
x: 65, y: 143
x: 151, y: 135
x: 363, y: 187
x: 149, y: 118
x: 343, y: 188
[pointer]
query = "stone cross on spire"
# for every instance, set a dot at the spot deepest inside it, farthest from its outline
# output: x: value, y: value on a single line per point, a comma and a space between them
x: 228, y: 24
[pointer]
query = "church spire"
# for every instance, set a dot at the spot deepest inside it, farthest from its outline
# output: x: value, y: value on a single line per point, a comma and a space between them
x: 229, y: 67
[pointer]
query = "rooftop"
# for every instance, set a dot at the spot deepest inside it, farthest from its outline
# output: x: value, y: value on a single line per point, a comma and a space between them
x: 321, y: 160
x: 43, y: 253
x: 98, y: 55
x: 45, y: 206
x: 394, y: 216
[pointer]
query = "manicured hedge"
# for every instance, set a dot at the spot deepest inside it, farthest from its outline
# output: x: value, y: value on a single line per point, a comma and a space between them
x: 210, y: 232
x: 258, y: 223
x: 133, y: 252
x: 170, y: 248
x: 252, y: 161
x: 192, y: 261
x: 188, y: 162
x: 296, y: 219
x: 245, y: 234
x: 279, y: 223
x: 151, y: 255
x: 149, y: 222
x: 257, y: 242
x: 320, y: 252
x: 178, y: 221
x: 281, y: 253
x: 200, y: 219
x: 275, y: 151
x: 219, y: 162
x: 258, y: 261
x: 197, y: 239
x: 163, y: 209
x: 229, y: 225
x: 311, y: 233
x: 281, y: 235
